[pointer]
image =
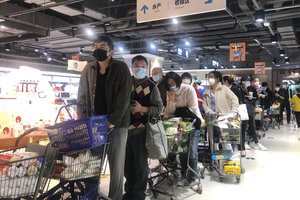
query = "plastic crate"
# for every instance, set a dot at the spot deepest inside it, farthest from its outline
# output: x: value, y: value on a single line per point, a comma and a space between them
x: 79, y: 134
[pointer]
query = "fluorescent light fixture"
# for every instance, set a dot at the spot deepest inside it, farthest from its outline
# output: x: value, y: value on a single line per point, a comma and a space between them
x: 2, y: 20
x: 179, y: 51
x: 89, y: 32
x: 175, y: 21
x: 286, y: 57
x: 45, y: 53
x: 222, y: 66
x: 259, y: 15
x: 287, y: 61
x: 282, y: 52
x: 187, y: 43
x: 234, y: 66
x: 121, y: 49
x: 274, y: 39
x: 7, y: 47
x: 181, y: 68
x: 152, y: 46
x: 49, y: 59
x: 205, y: 67
x: 64, y: 56
x: 3, y: 27
x: 266, y: 23
x: 36, y: 50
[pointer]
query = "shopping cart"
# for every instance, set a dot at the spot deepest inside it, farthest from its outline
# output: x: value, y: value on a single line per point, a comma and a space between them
x: 226, y: 162
x: 82, y: 146
x: 179, y: 136
x: 24, y: 171
x: 274, y: 114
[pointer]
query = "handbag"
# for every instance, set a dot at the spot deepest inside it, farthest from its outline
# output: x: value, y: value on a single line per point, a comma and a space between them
x: 156, y: 139
x: 243, y: 112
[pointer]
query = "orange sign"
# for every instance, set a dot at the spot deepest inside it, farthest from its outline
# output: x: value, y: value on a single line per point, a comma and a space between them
x: 75, y: 56
x: 259, y: 68
x: 237, y: 51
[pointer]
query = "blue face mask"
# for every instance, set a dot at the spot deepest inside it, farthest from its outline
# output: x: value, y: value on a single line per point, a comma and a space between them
x: 139, y: 72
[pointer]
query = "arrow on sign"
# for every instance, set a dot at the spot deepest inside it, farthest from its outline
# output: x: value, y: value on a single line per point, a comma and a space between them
x: 208, y: 1
x: 144, y: 9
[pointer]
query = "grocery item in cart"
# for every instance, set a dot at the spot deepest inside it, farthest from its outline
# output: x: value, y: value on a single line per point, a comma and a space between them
x: 232, y: 168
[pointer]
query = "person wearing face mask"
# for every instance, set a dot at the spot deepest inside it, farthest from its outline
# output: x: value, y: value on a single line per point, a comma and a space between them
x: 266, y: 96
x: 105, y: 87
x: 184, y: 96
x: 296, y: 102
x: 285, y: 95
x: 145, y: 103
x: 188, y: 79
x: 159, y: 79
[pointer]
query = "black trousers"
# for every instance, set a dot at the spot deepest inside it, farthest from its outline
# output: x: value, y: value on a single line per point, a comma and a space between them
x: 288, y: 111
x: 297, y: 115
x: 251, y: 130
x: 136, y: 167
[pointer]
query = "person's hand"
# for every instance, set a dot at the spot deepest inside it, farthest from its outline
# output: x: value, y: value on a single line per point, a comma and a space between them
x: 109, y: 125
x: 276, y: 95
x: 138, y: 108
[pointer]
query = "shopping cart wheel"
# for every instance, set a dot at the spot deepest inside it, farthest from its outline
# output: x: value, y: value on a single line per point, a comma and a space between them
x: 202, y: 176
x: 238, y: 179
x: 221, y: 179
x: 243, y: 170
x: 199, y: 190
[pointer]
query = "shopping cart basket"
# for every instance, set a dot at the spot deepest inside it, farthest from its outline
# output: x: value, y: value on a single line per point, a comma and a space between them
x: 24, y: 171
x: 275, y: 115
x: 82, y: 148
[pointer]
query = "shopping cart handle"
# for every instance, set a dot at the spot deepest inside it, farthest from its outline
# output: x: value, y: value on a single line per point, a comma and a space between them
x: 27, y: 132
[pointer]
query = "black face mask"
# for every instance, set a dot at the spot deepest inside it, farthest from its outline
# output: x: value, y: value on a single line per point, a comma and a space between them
x: 100, y: 54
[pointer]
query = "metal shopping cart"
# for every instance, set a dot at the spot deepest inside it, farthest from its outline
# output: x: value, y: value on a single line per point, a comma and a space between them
x: 225, y: 130
x: 274, y: 114
x: 179, y: 135
x: 24, y: 172
x: 82, y: 148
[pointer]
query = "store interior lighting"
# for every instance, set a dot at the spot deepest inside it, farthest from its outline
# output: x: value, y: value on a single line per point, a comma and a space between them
x: 222, y: 66
x: 175, y: 21
x: 233, y: 66
x: 286, y: 57
x: 36, y: 50
x: 259, y: 15
x: 274, y: 39
x: 152, y: 46
x: 7, y: 47
x: 81, y: 50
x: 89, y: 32
x: 217, y: 46
x: 266, y: 23
x: 49, y: 59
x: 121, y: 49
x: 3, y: 27
x: 274, y: 61
x: 181, y: 68
x: 187, y: 43
x: 282, y: 52
x: 64, y: 56
x: 197, y: 58
x: 2, y: 20
x: 287, y: 61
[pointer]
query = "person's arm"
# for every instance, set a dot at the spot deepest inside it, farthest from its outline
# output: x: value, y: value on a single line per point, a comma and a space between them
x: 234, y: 101
x: 156, y: 103
x: 193, y: 102
x: 82, y: 94
x: 205, y: 103
x: 171, y: 105
x: 122, y: 98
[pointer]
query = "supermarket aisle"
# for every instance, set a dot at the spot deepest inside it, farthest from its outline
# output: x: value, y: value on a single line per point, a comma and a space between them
x: 272, y: 174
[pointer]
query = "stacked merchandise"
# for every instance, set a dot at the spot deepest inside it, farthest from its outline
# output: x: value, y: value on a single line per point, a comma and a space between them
x: 19, y: 174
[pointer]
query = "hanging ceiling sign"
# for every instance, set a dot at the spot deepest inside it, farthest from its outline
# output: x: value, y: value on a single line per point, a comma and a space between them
x: 237, y: 51
x: 259, y: 68
x: 164, y: 9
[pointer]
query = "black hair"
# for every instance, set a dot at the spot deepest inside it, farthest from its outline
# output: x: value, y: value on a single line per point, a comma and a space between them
x: 104, y: 38
x: 217, y: 75
x: 264, y: 84
x: 277, y: 85
x: 139, y: 58
x: 298, y: 89
x: 244, y: 79
x: 228, y: 79
x: 187, y: 75
x: 175, y: 77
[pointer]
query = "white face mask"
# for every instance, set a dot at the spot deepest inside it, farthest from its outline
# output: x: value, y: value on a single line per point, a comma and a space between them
x: 277, y: 89
x: 174, y: 88
x: 211, y: 81
x: 256, y: 83
x: 186, y: 81
x: 284, y: 86
x: 156, y: 78
x: 139, y: 72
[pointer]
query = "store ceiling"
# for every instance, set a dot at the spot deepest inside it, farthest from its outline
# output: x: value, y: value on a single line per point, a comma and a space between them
x: 60, y: 27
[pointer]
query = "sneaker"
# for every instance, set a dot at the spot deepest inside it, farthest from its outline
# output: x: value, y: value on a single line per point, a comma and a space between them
x: 243, y: 153
x: 261, y: 147
x: 200, y: 166
x: 194, y: 184
x: 182, y: 182
x: 253, y: 146
x: 247, y: 147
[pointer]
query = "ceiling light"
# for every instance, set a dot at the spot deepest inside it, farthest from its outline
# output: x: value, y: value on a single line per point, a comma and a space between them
x: 234, y: 66
x: 205, y: 67
x: 49, y: 59
x: 286, y: 57
x: 89, y: 32
x: 287, y: 61
x: 107, y: 24
x: 197, y: 58
x: 2, y: 20
x: 282, y: 52
x: 64, y: 56
x: 259, y: 15
x: 121, y: 49
x: 46, y: 52
x: 181, y: 68
x: 274, y: 39
x: 222, y: 66
x: 36, y: 50
x: 81, y: 50
x: 3, y: 27
x: 175, y: 21
x: 274, y: 61
x: 266, y: 23
x: 7, y: 47
x: 152, y: 46
x: 187, y: 43
x: 217, y: 46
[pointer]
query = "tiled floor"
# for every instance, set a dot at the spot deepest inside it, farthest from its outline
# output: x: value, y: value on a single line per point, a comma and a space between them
x: 272, y: 174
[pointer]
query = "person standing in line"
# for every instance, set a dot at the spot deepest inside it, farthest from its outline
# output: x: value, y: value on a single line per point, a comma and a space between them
x: 285, y: 96
x: 296, y: 102
x: 146, y: 104
x: 105, y: 87
x: 159, y: 79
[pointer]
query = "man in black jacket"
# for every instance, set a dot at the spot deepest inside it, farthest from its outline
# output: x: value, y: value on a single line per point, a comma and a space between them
x: 284, y: 95
x: 159, y: 79
x: 105, y: 87
x: 228, y: 81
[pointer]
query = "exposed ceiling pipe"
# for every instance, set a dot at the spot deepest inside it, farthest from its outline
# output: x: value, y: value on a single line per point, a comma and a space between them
x: 282, y: 8
x: 23, y: 12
